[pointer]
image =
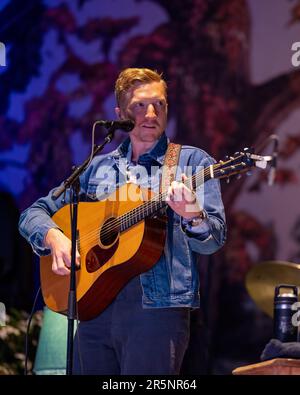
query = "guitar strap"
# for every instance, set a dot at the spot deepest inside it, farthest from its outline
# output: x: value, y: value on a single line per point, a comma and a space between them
x: 170, y: 166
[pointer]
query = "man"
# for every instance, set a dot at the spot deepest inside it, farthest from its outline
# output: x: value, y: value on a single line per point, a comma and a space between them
x: 145, y: 330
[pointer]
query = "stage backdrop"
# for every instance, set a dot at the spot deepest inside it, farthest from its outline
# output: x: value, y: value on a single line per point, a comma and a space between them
x: 231, y: 85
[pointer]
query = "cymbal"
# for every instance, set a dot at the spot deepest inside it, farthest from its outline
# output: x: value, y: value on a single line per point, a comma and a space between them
x: 262, y: 279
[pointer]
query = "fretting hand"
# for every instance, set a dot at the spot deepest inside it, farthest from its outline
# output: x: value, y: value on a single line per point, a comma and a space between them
x: 183, y: 200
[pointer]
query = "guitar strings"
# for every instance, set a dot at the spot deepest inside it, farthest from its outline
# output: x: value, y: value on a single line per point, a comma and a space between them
x: 133, y: 214
x: 116, y: 224
x: 144, y: 208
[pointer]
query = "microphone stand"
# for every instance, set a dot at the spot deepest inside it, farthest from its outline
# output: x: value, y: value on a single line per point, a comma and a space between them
x: 73, y: 183
x: 272, y: 171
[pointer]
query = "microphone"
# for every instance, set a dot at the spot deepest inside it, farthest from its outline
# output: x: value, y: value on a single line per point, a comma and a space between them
x: 272, y: 172
x: 124, y: 124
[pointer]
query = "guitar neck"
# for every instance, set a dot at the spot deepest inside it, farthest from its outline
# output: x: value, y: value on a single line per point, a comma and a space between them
x: 239, y: 163
x: 158, y: 202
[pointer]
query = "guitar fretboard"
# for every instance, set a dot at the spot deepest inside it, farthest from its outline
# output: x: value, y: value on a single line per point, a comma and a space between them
x: 158, y: 202
x: 234, y: 165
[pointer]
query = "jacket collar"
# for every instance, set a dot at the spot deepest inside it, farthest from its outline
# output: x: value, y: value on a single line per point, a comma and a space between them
x: 157, y: 152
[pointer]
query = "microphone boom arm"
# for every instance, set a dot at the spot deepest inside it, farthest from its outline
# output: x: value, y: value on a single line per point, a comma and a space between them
x: 78, y: 170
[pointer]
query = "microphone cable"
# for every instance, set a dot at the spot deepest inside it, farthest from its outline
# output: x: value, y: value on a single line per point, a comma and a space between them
x: 27, y: 331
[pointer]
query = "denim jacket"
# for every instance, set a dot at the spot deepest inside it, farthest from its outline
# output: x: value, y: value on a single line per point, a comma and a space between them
x: 173, y: 281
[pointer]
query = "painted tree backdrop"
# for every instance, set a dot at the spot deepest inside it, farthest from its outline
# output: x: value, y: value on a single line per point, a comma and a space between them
x: 63, y: 59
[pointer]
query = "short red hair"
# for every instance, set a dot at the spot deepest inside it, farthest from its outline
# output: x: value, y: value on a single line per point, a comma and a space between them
x: 130, y: 76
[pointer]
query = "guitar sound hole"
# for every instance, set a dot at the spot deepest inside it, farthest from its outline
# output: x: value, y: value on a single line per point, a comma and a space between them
x: 109, y: 232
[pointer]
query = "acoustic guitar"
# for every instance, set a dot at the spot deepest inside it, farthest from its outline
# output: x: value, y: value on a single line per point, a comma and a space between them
x: 118, y: 239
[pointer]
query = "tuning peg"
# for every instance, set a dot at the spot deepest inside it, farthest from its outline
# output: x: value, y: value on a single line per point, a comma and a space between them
x: 238, y: 176
x: 249, y: 173
x: 227, y: 180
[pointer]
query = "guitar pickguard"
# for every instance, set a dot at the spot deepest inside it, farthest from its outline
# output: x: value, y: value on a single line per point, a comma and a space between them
x: 97, y: 257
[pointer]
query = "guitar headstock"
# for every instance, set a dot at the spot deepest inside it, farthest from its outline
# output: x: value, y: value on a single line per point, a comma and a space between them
x: 238, y: 163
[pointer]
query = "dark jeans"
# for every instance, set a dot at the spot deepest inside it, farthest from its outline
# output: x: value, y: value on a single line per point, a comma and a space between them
x: 127, y: 339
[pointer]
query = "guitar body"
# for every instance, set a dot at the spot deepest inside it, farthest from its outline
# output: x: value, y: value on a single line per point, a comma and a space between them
x: 109, y: 257
x: 116, y: 243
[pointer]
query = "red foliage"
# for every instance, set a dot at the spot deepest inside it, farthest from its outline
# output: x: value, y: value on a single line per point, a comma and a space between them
x: 290, y: 146
x: 283, y: 177
x: 106, y: 27
x: 42, y: 113
x: 60, y: 17
x: 295, y: 18
x: 246, y: 230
